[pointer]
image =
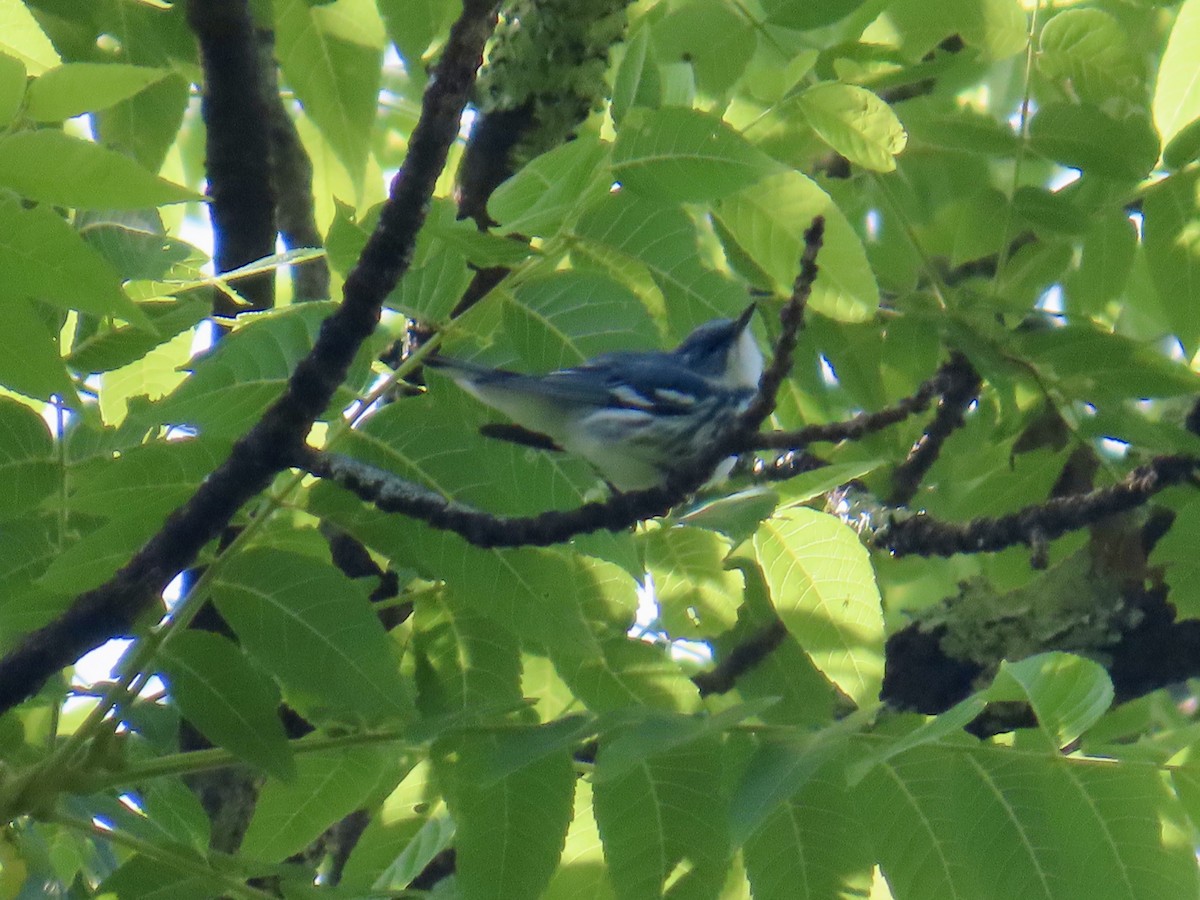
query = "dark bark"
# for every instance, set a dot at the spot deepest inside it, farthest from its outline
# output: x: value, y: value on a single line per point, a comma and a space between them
x: 237, y: 147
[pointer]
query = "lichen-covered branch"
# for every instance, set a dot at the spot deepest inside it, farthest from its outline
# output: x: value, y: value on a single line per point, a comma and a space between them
x: 545, y: 74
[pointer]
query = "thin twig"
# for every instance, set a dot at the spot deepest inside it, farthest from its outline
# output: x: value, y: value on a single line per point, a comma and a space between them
x: 856, y: 427
x: 960, y: 390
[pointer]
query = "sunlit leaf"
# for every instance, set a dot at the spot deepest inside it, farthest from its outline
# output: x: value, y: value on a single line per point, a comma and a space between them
x: 1176, y: 92
x: 824, y: 591
x: 684, y: 155
x: 44, y: 257
x: 75, y: 88
x: 856, y: 123
x: 49, y: 166
x: 330, y: 56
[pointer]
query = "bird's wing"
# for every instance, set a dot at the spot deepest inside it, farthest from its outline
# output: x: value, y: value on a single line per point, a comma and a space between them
x: 655, y: 382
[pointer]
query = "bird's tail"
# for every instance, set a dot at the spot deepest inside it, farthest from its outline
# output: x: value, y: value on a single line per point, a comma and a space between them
x: 473, y: 372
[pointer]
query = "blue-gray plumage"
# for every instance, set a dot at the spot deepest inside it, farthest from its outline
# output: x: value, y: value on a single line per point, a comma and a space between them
x: 635, y: 416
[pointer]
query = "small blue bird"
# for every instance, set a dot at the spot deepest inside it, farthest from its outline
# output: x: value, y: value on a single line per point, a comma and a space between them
x: 636, y: 417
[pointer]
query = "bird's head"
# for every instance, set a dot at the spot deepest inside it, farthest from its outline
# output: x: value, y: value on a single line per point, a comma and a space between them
x: 724, y: 350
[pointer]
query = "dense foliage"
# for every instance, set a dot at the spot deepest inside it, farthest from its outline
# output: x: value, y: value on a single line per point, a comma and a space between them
x: 350, y: 702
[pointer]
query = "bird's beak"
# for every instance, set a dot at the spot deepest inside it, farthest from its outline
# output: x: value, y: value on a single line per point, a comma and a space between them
x: 743, y: 320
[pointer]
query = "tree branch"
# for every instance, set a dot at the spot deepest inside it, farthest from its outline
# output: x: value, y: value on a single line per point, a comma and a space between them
x: 292, y: 180
x: 237, y: 146
x: 926, y: 536
x: 269, y: 446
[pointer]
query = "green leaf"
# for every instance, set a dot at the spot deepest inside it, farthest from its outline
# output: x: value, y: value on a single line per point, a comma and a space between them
x: 624, y: 671
x: 997, y: 28
x: 1091, y: 364
x: 933, y: 123
x: 1176, y: 101
x: 514, y: 749
x: 466, y: 663
x: 29, y: 545
x: 1173, y: 251
x: 93, y: 559
x: 1176, y: 550
x: 549, y: 190
x: 735, y: 515
x: 30, y: 363
x: 855, y: 123
x: 1184, y: 147
x: 133, y: 387
x: 768, y: 220
x: 113, y: 348
x: 1090, y: 49
x: 429, y: 291
x: 313, y: 629
x: 411, y: 828
x: 637, y: 80
x: 146, y: 124
x: 697, y: 596
x: 75, y: 88
x: 824, y: 591
x: 662, y: 238
x: 27, y: 462
x: 231, y: 702
x: 582, y: 874
x: 149, y: 878
x: 51, y: 167
x: 711, y: 36
x: 413, y: 25
x: 24, y: 39
x: 806, y: 16
x: 633, y: 735
x: 481, y: 248
x: 1068, y: 693
x: 1104, y: 265
x: 156, y: 476
x: 684, y: 155
x: 511, y: 830
x: 1050, y: 825
x: 663, y: 817
x: 328, y: 785
x: 933, y: 731
x: 12, y: 87
x: 810, y: 846
x: 173, y: 807
x: 136, y: 243
x: 568, y: 317
x: 331, y: 56
x: 235, y: 381
x: 1049, y: 211
x: 1085, y: 137
x: 43, y: 257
